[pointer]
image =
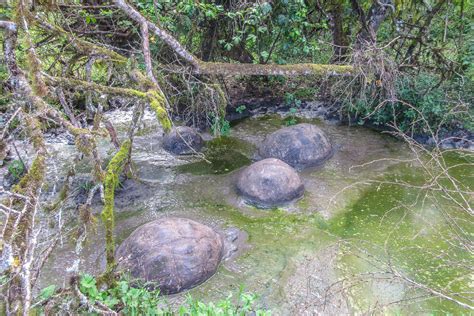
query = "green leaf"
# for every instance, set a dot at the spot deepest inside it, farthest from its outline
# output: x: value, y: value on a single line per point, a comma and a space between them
x: 251, y: 39
x: 228, y: 46
x: 47, y: 292
x: 266, y: 8
x: 236, y: 39
x: 282, y: 19
x: 240, y: 109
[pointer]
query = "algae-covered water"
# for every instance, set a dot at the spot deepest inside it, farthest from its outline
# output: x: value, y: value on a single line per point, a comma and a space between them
x: 366, y: 237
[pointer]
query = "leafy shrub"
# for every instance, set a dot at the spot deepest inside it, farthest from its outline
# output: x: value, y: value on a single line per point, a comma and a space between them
x: 140, y: 300
x: 123, y: 297
x: 220, y: 126
x: 225, y: 307
x: 294, y: 103
x: 16, y: 169
x: 240, y: 109
x: 422, y: 96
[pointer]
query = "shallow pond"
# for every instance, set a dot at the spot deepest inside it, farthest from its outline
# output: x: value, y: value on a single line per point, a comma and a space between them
x: 361, y: 227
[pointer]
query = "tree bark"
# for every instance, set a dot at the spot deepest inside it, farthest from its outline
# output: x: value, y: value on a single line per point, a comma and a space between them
x: 371, y: 22
x: 339, y: 37
x: 162, y: 34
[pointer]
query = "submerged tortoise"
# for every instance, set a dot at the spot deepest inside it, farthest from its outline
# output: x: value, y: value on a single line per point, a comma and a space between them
x: 183, y: 140
x: 269, y: 182
x: 174, y: 254
x: 301, y: 145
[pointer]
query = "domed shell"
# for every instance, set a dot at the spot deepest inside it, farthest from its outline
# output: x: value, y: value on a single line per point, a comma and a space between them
x: 183, y: 140
x: 176, y: 253
x: 269, y: 182
x: 300, y: 145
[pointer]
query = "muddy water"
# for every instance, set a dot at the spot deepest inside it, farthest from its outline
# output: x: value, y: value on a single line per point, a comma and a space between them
x: 334, y: 251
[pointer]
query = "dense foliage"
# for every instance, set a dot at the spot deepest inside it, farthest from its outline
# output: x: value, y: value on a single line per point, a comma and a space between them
x: 427, y: 47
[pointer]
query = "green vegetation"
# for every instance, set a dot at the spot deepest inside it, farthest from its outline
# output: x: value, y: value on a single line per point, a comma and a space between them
x: 131, y: 298
x: 16, y: 169
x: 434, y: 77
x: 294, y: 103
x: 240, y: 109
x: 425, y: 102
x: 223, y: 155
x: 220, y: 127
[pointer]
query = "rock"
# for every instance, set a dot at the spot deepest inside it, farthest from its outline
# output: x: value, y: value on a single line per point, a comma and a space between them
x: 300, y: 145
x: 270, y: 182
x: 447, y: 144
x: 183, y: 140
x: 431, y: 141
x: 175, y: 253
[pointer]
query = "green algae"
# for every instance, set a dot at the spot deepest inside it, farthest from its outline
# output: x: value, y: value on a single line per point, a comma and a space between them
x: 395, y: 222
x: 375, y: 213
x: 400, y: 224
x: 276, y: 237
x: 385, y: 223
x: 122, y: 216
x: 223, y: 155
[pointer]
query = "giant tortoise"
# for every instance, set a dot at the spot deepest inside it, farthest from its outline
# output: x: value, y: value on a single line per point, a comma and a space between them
x: 173, y: 254
x: 300, y: 145
x: 269, y: 182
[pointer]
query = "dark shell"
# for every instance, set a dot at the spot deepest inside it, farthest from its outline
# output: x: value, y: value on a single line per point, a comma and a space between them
x: 301, y: 145
x: 183, y: 140
x: 269, y: 182
x: 176, y: 253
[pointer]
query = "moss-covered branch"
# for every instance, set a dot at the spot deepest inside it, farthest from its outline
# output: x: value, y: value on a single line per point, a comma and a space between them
x: 17, y: 234
x: 114, y: 169
x: 157, y: 104
x: 79, y: 44
x: 33, y: 61
x: 228, y: 69
x: 161, y: 33
x: 91, y: 86
x: 155, y: 98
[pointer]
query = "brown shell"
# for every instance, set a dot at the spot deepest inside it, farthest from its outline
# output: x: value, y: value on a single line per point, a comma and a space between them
x: 176, y: 253
x: 269, y: 182
x: 183, y: 140
x: 301, y: 145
